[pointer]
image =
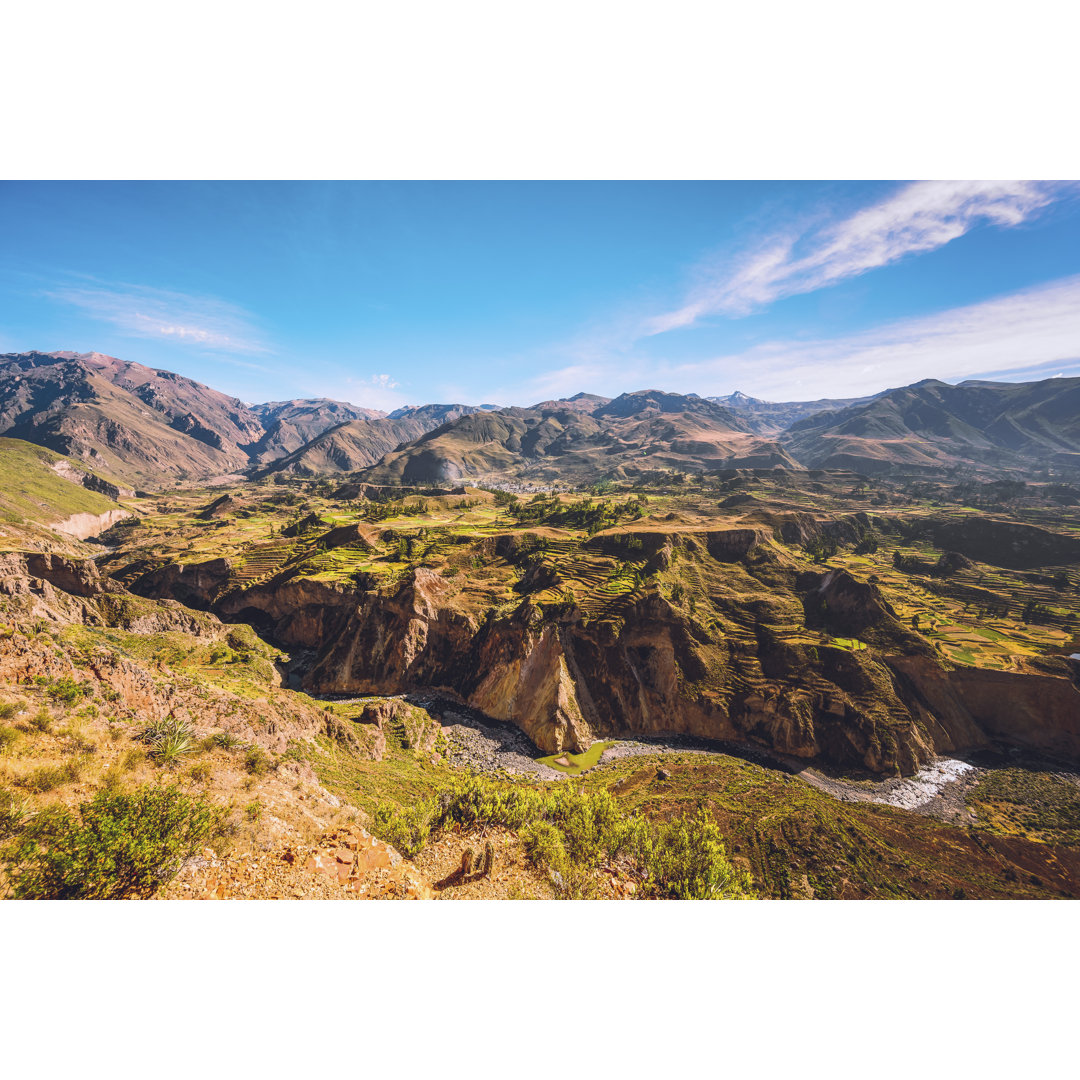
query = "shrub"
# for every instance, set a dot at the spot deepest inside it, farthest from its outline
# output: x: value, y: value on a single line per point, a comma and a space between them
x: 67, y: 691
x: 169, y: 739
x: 41, y: 720
x: 9, y: 736
x: 543, y: 845
x: 220, y: 654
x: 8, y: 709
x: 868, y: 545
x: 570, y: 831
x: 407, y: 829
x: 688, y: 862
x: 821, y: 548
x: 257, y: 761
x: 113, y: 846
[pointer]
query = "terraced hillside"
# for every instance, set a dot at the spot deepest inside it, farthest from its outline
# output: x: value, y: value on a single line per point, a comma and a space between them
x: 832, y: 636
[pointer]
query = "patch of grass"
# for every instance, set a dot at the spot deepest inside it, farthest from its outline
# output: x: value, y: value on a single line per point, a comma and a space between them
x: 199, y: 772
x: 113, y: 846
x: 221, y: 740
x: 49, y: 777
x: 1036, y: 805
x: 15, y: 812
x: 132, y: 759
x: 9, y: 736
x: 41, y: 721
x: 578, y: 763
x: 33, y: 491
x: 8, y: 709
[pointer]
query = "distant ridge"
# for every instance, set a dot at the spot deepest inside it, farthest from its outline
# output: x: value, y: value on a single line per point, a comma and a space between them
x: 152, y: 428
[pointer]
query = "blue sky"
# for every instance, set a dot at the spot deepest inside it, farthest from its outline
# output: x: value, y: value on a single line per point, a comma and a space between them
x: 387, y: 293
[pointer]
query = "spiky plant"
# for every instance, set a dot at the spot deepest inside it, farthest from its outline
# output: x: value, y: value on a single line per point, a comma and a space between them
x: 14, y: 814
x: 169, y: 739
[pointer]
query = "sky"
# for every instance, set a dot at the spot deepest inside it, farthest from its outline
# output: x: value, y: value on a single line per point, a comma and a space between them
x: 393, y: 293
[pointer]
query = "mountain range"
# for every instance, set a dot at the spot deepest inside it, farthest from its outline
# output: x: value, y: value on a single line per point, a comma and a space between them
x: 149, y: 428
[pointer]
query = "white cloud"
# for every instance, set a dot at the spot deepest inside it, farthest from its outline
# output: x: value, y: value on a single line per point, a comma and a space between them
x: 1033, y: 334
x: 1025, y: 335
x: 920, y: 217
x: 144, y: 312
x: 373, y: 392
x: 383, y: 382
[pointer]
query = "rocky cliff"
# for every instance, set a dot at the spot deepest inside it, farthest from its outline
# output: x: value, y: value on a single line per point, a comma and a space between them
x: 731, y: 641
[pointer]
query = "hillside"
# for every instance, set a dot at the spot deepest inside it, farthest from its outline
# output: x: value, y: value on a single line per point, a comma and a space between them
x: 148, y: 427
x: 44, y: 489
x: 630, y: 435
x: 291, y: 424
x: 773, y: 417
x: 141, y: 425
x: 933, y: 425
x: 357, y: 444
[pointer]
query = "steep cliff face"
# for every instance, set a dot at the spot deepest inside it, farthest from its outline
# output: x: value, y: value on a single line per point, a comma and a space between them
x: 1004, y: 543
x: 565, y: 682
x: 970, y: 706
x: 720, y: 667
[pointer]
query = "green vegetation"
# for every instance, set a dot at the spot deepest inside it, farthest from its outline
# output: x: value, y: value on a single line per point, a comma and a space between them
x: 570, y: 831
x: 34, y: 492
x: 1036, y: 805
x: 67, y: 691
x: 821, y: 548
x: 576, y: 763
x: 168, y: 740
x: 115, y: 845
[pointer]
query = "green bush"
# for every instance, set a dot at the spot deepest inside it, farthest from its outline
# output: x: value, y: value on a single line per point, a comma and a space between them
x: 8, y: 709
x: 68, y: 691
x: 571, y: 831
x: 688, y: 862
x: 406, y: 829
x: 257, y: 761
x: 114, y: 846
x: 543, y: 845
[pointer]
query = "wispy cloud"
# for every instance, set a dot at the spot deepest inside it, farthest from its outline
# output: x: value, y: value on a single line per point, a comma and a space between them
x: 1029, y: 334
x: 1033, y: 334
x: 144, y: 312
x: 919, y: 218
x: 382, y: 382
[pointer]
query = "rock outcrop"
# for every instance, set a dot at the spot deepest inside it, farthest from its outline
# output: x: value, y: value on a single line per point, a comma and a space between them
x: 719, y: 670
x: 83, y: 526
